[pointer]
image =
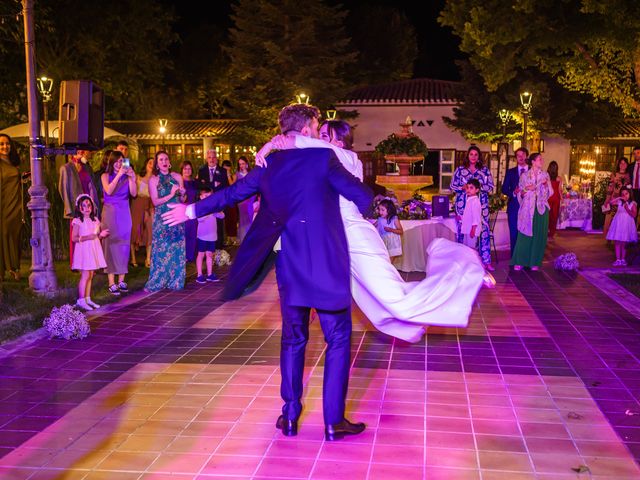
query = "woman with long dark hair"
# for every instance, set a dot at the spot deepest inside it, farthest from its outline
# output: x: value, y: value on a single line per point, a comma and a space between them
x: 472, y: 167
x: 245, y: 208
x: 167, y: 248
x: 10, y: 208
x: 118, y: 185
x: 555, y: 198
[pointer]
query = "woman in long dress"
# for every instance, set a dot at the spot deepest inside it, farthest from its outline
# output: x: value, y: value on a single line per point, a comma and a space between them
x: 10, y: 209
x: 167, y: 248
x: 142, y: 216
x: 533, y: 215
x: 245, y: 208
x: 192, y: 193
x: 472, y: 167
x: 454, y: 273
x: 118, y: 184
x: 619, y: 178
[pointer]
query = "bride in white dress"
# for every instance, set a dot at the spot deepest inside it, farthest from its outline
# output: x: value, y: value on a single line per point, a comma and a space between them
x: 454, y: 272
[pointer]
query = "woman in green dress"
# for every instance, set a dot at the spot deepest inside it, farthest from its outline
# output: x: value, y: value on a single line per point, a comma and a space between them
x: 533, y: 215
x: 10, y: 209
x: 167, y: 245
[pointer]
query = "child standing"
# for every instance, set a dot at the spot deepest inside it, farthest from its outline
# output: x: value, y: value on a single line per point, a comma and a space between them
x: 389, y: 228
x: 471, y: 223
x: 87, y: 252
x: 206, y: 241
x: 623, y: 226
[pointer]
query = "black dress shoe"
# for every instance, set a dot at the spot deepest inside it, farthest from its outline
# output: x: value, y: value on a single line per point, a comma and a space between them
x: 289, y: 427
x: 340, y: 430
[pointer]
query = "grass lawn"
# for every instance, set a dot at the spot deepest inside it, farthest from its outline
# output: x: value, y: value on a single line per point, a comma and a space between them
x: 630, y: 281
x: 22, y: 310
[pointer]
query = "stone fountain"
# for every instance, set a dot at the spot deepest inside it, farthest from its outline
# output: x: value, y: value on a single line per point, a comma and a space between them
x: 402, y: 184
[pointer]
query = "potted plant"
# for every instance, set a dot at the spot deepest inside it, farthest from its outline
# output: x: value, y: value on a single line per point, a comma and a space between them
x: 403, y: 150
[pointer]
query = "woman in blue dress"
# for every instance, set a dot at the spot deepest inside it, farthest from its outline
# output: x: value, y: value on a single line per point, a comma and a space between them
x: 472, y: 167
x: 167, y: 248
x: 192, y: 193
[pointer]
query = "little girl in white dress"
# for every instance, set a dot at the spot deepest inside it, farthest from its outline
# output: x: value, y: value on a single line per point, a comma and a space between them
x: 390, y: 228
x: 623, y: 226
x: 87, y: 252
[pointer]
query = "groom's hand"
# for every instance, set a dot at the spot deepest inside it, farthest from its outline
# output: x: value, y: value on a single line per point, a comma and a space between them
x: 176, y: 215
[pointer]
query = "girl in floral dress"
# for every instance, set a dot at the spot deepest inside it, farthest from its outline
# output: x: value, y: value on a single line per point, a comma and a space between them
x: 472, y: 167
x: 167, y: 249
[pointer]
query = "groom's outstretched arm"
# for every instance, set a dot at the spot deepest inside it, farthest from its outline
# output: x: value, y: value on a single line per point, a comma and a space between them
x: 218, y: 201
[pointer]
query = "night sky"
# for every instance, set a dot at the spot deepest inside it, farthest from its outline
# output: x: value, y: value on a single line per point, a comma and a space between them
x: 438, y: 47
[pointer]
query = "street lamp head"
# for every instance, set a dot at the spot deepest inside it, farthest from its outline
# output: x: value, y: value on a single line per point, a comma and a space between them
x: 505, y: 116
x: 163, y: 125
x: 45, y: 87
x: 331, y: 114
x: 302, y: 98
x: 525, y: 100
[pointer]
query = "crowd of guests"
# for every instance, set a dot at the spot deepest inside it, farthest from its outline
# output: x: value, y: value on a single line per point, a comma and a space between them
x: 115, y: 212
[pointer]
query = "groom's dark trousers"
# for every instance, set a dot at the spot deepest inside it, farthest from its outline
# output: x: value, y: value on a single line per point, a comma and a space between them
x: 336, y: 327
x: 300, y: 204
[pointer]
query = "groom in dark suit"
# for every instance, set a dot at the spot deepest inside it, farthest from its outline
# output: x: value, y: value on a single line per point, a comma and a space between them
x: 511, y: 188
x: 299, y: 204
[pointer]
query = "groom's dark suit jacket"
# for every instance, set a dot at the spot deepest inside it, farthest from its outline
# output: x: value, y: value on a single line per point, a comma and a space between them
x: 299, y: 203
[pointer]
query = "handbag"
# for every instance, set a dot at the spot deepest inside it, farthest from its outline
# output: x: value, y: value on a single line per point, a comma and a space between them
x: 606, y: 208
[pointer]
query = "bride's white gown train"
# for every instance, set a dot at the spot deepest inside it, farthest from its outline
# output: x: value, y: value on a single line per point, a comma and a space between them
x: 454, y: 272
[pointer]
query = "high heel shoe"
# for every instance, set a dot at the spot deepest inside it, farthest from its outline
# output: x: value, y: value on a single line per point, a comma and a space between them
x: 488, y: 280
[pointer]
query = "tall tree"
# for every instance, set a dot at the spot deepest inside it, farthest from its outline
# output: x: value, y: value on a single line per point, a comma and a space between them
x: 554, y: 109
x: 121, y: 45
x: 588, y: 46
x: 386, y: 41
x: 279, y: 48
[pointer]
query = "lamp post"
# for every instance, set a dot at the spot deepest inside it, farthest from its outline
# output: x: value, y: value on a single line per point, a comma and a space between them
x: 505, y: 116
x: 163, y: 130
x: 525, y: 100
x: 43, y: 277
x: 45, y: 87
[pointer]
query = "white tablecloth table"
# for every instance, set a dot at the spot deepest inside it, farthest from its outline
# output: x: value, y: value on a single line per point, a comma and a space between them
x: 575, y: 213
x: 417, y: 237
x: 418, y: 234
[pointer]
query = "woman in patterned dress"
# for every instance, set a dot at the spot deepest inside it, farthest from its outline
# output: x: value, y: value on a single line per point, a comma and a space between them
x: 167, y: 248
x: 472, y: 167
x: 533, y: 215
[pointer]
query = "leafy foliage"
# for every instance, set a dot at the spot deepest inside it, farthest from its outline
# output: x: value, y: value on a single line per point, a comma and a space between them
x: 588, y: 46
x: 386, y: 42
x: 278, y: 49
x: 394, y: 144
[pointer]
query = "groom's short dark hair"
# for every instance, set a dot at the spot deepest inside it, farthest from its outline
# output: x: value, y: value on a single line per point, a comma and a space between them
x: 294, y: 118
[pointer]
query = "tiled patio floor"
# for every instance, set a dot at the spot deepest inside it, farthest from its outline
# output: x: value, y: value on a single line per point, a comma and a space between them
x: 544, y: 384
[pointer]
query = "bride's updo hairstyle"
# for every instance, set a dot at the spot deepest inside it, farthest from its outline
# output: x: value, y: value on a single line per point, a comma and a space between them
x: 340, y: 130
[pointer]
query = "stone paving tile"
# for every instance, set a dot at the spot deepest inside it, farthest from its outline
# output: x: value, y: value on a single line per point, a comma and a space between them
x: 180, y: 385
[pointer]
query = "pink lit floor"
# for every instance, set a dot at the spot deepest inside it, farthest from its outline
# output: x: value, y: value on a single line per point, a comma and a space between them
x: 543, y: 384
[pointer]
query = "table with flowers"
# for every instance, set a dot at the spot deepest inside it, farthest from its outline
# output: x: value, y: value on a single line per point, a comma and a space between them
x: 575, y: 213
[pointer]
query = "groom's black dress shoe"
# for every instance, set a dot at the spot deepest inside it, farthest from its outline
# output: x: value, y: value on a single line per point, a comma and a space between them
x: 289, y: 427
x: 340, y: 430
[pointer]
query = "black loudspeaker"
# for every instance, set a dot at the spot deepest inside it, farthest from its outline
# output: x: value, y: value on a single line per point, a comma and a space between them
x: 440, y: 206
x: 81, y: 117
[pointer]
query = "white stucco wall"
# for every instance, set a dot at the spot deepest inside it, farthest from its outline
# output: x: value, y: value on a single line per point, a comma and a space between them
x: 377, y: 122
x: 558, y: 149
